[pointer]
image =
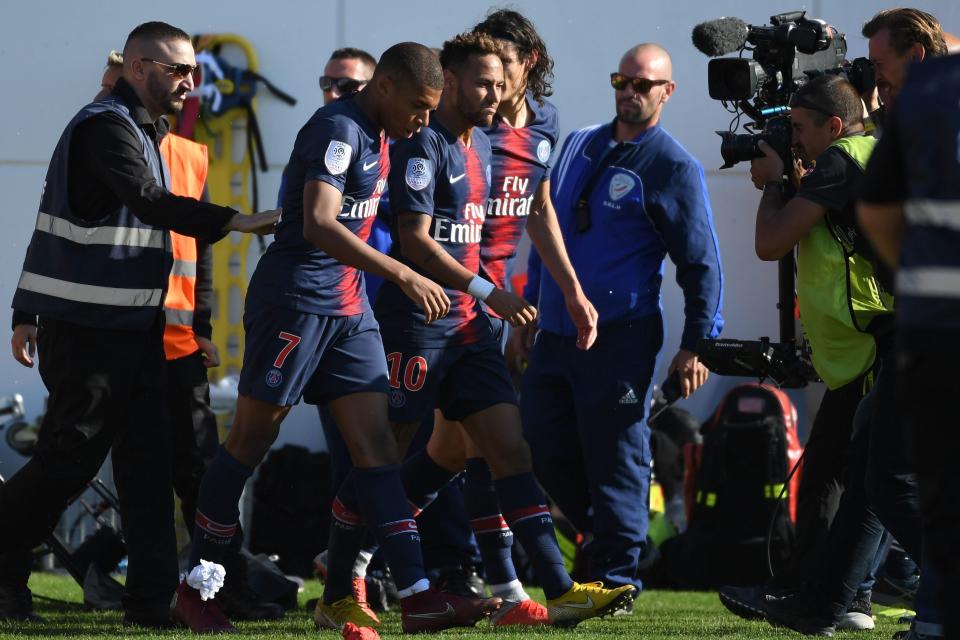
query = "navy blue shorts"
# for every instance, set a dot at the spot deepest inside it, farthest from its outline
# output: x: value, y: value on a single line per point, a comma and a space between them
x: 460, y: 381
x: 501, y: 331
x: 290, y: 354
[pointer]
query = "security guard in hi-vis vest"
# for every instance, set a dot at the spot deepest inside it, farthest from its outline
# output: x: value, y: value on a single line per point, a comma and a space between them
x: 90, y: 298
x: 190, y: 352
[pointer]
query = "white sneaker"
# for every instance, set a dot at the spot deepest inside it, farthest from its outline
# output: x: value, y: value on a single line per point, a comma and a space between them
x: 855, y: 621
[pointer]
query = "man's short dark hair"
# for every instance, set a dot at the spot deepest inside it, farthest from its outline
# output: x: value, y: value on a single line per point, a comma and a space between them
x: 831, y: 94
x: 413, y: 63
x: 156, y: 31
x: 458, y: 50
x: 352, y: 53
x: 907, y: 28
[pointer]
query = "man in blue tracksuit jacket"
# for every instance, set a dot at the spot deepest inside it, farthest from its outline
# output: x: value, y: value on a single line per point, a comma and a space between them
x: 626, y: 195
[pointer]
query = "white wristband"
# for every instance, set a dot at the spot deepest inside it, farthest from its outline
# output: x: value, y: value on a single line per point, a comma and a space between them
x: 480, y: 288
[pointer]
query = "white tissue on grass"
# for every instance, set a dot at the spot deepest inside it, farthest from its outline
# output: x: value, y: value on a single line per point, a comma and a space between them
x: 207, y: 578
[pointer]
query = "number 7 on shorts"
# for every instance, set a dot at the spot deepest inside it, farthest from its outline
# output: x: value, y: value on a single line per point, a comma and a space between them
x: 292, y: 342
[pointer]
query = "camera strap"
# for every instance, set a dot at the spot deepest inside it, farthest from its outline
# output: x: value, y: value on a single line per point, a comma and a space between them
x: 608, y: 157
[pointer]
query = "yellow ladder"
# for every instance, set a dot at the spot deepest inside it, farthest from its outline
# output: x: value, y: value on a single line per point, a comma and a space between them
x: 228, y: 183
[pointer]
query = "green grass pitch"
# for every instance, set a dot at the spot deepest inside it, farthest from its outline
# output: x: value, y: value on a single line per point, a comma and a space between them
x: 658, y: 615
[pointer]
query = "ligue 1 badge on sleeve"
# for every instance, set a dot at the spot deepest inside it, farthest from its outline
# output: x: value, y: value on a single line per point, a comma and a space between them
x: 418, y: 173
x: 543, y: 151
x: 337, y: 157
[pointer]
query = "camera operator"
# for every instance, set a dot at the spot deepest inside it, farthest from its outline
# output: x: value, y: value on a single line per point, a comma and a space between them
x: 909, y: 210
x: 845, y: 315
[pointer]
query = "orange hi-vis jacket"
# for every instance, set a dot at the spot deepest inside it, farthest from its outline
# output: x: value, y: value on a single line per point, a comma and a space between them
x: 187, y: 161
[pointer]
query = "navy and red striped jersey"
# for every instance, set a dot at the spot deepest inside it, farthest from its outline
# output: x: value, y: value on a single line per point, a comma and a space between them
x: 434, y: 174
x: 521, y: 162
x: 339, y: 145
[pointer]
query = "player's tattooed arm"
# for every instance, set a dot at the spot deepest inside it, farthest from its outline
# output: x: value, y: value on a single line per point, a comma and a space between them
x: 434, y: 256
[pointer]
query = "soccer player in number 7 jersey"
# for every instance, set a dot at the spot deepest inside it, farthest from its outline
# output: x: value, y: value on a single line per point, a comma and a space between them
x: 310, y: 333
x: 439, y: 185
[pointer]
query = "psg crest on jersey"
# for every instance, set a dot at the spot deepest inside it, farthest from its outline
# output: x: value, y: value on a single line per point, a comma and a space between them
x: 337, y: 157
x: 620, y: 185
x: 418, y: 174
x: 543, y: 151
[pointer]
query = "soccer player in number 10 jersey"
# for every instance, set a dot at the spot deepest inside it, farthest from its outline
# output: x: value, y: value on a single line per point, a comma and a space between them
x: 439, y: 186
x: 522, y: 137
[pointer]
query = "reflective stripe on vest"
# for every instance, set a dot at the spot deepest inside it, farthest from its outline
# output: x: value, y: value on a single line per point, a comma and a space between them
x: 187, y: 161
x: 77, y: 292
x: 117, y: 236
x: 933, y: 213
x: 929, y: 282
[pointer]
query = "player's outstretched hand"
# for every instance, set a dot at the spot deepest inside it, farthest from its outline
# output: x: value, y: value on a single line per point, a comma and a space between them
x: 260, y: 223
x: 512, y: 308
x: 428, y: 295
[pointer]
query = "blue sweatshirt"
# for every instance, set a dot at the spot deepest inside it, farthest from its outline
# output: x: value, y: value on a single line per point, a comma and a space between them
x: 649, y: 199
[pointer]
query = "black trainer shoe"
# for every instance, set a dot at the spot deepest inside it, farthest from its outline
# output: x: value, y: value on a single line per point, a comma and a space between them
x: 461, y: 581
x: 913, y: 634
x: 476, y: 582
x: 749, y: 603
x: 798, y: 613
x: 240, y: 602
x: 381, y: 591
x: 16, y: 604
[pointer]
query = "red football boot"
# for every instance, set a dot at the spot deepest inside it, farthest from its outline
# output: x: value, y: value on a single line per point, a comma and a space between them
x: 360, y: 595
x: 353, y: 632
x: 434, y: 610
x: 198, y: 615
x: 527, y: 612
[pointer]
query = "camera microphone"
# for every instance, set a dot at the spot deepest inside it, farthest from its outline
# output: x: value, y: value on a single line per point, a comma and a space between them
x: 721, y: 36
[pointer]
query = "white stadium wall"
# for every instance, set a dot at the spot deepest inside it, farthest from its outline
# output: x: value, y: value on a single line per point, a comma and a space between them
x: 53, y: 53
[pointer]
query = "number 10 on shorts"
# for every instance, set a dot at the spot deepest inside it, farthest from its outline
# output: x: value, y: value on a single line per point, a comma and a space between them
x: 414, y: 374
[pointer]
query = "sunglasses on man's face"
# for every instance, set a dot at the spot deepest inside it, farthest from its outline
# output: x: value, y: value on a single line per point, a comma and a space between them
x: 640, y: 85
x: 344, y: 85
x: 179, y: 71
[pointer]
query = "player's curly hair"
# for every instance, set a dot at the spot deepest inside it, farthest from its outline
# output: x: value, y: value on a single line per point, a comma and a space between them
x: 908, y: 27
x: 505, y: 24
x: 457, y: 50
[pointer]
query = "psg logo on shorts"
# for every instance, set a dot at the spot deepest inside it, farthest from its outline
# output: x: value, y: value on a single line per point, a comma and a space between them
x: 397, y: 398
x: 337, y: 157
x: 274, y: 378
x: 418, y: 174
x: 543, y: 151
